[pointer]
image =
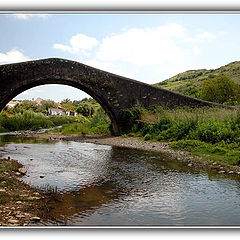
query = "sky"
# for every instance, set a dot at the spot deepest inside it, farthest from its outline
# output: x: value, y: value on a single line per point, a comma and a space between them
x: 146, y: 47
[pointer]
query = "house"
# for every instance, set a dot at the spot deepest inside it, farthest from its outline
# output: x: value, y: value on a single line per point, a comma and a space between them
x: 58, y: 104
x: 71, y: 113
x: 12, y: 103
x: 56, y: 111
x: 38, y: 101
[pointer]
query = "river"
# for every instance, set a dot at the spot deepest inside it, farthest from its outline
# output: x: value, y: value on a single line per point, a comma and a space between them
x: 112, y: 186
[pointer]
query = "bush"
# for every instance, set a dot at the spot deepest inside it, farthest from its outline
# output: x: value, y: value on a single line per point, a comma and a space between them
x: 221, y: 90
x: 128, y: 117
x: 215, y: 131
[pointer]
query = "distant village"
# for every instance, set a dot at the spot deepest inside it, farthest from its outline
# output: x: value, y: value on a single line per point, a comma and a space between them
x: 51, y: 111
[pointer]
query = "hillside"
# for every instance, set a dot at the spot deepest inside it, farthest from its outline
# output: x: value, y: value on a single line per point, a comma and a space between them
x: 190, y: 82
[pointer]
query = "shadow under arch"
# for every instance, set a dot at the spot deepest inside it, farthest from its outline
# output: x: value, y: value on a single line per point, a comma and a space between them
x: 46, y: 81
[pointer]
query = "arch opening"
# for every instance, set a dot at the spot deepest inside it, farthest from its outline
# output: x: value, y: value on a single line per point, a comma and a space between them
x: 63, y: 82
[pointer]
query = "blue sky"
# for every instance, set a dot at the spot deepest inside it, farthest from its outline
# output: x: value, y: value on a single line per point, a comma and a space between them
x: 146, y: 47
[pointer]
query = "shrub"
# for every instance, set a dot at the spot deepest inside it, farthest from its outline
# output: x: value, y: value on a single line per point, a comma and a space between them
x: 221, y: 90
x: 215, y: 131
x: 128, y: 117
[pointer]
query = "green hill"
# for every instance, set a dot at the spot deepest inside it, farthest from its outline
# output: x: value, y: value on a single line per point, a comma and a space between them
x: 190, y: 82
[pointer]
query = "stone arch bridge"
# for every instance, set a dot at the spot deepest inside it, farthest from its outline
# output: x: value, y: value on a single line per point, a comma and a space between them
x: 113, y: 92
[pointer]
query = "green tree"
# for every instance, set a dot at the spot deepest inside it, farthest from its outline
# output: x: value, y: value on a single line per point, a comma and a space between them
x: 46, y: 104
x: 24, y: 106
x: 221, y: 90
x: 67, y: 100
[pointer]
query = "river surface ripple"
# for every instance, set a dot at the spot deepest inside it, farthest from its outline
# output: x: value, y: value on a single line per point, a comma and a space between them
x: 104, y: 185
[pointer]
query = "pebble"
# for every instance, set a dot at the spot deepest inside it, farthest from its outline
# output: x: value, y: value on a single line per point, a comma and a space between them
x: 35, y: 219
x: 20, y: 216
x: 22, y: 170
x: 34, y: 198
x: 221, y: 171
x: 13, y: 221
x: 190, y: 164
x: 2, y: 190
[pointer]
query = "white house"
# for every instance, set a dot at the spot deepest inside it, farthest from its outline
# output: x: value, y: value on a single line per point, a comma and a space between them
x: 71, y: 113
x: 56, y: 111
x: 12, y: 104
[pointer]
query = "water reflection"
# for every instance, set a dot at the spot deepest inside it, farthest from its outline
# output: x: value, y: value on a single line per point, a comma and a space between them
x: 103, y: 185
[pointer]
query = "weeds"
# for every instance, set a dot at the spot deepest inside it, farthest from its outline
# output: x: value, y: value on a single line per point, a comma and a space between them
x: 29, y: 120
x: 212, y: 132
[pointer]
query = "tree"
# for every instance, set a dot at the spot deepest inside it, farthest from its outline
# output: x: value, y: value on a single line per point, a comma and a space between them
x: 25, y: 105
x: 221, y: 90
x: 46, y: 104
x: 67, y: 100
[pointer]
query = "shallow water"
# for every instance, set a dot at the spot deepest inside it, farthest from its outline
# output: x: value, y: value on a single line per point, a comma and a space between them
x: 104, y: 185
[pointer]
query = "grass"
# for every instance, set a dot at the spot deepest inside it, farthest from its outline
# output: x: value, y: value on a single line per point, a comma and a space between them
x: 220, y: 152
x: 99, y: 124
x: 190, y: 82
x: 185, y: 113
x: 213, y: 133
x: 29, y: 120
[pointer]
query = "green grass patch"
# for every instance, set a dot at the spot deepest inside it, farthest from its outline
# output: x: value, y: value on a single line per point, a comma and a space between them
x: 29, y: 120
x: 212, y: 133
x: 99, y: 125
x: 221, y: 153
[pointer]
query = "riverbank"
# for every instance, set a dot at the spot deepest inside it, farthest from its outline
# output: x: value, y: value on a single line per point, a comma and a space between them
x: 20, y: 205
x: 185, y: 157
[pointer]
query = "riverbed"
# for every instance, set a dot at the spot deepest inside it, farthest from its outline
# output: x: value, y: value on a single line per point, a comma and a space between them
x: 102, y: 185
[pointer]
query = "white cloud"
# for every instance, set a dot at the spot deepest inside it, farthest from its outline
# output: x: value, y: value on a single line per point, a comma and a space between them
x: 144, y: 46
x: 13, y: 56
x: 27, y: 16
x: 62, y: 47
x: 140, y: 53
x: 107, y: 66
x: 170, y: 71
x: 80, y: 43
x: 201, y: 37
x: 31, y: 92
x: 196, y: 50
x: 223, y: 33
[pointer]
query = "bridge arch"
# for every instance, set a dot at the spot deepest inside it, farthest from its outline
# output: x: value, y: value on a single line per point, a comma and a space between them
x: 23, y: 88
x: 114, y: 93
